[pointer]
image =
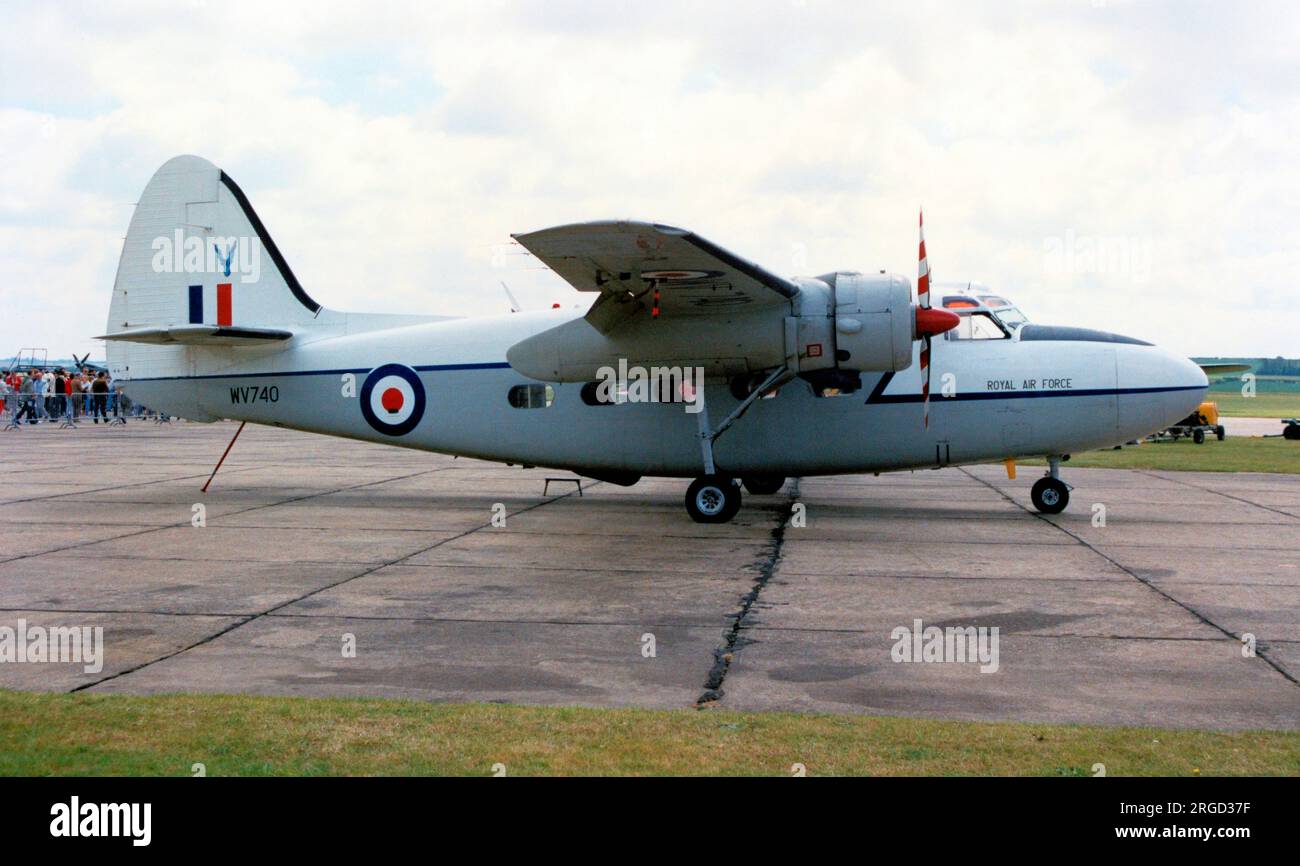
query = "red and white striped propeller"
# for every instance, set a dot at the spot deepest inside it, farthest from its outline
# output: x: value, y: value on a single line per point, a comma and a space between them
x: 929, y: 321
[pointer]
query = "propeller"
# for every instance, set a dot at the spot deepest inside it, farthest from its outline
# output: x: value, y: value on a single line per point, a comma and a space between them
x: 929, y: 321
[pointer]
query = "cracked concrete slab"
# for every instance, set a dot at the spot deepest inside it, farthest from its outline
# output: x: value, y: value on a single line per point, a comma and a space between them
x: 1175, y: 683
x: 545, y: 663
x: 129, y: 640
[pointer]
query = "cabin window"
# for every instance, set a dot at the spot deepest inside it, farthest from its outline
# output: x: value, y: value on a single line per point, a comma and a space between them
x: 977, y: 326
x: 531, y: 396
x: 591, y: 395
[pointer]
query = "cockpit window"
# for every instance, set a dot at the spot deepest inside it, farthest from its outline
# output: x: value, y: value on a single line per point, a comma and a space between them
x: 977, y: 326
x: 1011, y: 317
x: 968, y: 302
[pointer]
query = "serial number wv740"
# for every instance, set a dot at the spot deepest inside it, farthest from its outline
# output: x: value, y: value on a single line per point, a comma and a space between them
x: 255, y: 394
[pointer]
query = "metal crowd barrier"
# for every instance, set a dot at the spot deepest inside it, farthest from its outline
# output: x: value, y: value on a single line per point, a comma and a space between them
x: 70, y: 411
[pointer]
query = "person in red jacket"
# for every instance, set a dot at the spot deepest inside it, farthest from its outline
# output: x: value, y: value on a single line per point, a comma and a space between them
x: 69, y: 388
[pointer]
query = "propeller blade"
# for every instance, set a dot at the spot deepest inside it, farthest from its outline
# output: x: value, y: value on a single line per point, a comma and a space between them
x: 923, y: 307
x: 922, y: 270
x: 929, y: 321
x: 925, y: 381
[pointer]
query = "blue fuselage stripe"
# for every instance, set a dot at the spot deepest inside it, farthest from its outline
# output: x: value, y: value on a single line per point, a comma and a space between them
x: 877, y: 396
x: 877, y: 399
x: 423, y: 368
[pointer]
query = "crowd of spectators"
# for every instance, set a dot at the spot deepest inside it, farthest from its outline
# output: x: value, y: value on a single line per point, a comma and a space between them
x: 37, y: 395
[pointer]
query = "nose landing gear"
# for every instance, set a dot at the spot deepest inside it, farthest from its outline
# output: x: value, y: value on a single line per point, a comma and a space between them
x: 1050, y: 494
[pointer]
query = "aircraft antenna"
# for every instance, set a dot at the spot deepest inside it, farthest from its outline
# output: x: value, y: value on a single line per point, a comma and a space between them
x: 514, y: 303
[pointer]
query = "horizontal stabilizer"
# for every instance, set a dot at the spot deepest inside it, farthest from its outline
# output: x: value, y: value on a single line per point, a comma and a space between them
x: 1223, y: 369
x: 200, y: 335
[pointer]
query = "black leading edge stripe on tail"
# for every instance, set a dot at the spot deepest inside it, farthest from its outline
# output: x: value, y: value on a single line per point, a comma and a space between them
x: 265, y: 238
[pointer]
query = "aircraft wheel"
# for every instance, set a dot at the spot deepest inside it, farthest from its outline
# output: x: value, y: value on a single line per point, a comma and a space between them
x: 712, y: 499
x: 1050, y: 495
x: 763, y: 485
x: 1219, y: 432
x: 1198, y: 436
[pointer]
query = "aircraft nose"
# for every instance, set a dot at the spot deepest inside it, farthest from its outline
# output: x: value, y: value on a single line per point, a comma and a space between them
x: 1190, y: 385
x: 1157, y: 388
x: 1193, y: 375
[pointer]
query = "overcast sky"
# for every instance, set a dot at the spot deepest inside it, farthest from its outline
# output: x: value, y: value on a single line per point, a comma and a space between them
x: 1131, y: 166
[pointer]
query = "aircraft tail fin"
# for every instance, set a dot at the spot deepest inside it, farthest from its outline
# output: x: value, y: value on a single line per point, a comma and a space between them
x: 197, y: 260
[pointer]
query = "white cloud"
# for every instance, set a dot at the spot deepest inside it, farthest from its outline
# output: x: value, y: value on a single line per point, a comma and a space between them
x: 390, y: 151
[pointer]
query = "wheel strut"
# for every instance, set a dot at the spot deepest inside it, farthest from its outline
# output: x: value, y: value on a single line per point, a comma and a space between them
x: 708, y: 436
x: 714, y: 497
x: 1050, y: 494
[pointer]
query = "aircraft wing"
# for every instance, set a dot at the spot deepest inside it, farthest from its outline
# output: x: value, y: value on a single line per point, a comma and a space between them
x: 627, y: 262
x: 200, y: 335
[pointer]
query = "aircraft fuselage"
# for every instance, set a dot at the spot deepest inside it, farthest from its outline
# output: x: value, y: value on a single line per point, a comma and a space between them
x: 992, y: 399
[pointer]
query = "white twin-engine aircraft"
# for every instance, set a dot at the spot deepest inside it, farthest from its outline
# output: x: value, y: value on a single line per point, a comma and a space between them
x: 754, y: 377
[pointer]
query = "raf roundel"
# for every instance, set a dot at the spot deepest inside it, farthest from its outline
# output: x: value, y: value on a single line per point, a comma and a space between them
x: 392, y: 399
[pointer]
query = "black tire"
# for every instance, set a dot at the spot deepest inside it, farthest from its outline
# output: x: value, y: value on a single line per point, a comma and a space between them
x: 763, y: 485
x: 1198, y: 436
x: 1291, y: 431
x: 712, y: 499
x: 1050, y: 495
x: 1219, y: 432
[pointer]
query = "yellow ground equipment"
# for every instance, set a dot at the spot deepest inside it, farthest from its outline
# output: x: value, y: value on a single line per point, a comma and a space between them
x: 1196, y: 425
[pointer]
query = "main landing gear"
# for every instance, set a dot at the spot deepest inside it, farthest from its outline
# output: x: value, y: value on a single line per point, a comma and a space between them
x: 714, y: 497
x: 1050, y: 494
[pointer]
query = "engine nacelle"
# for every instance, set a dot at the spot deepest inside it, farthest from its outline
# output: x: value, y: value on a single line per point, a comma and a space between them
x: 873, y: 322
x: 838, y: 323
x: 853, y: 321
